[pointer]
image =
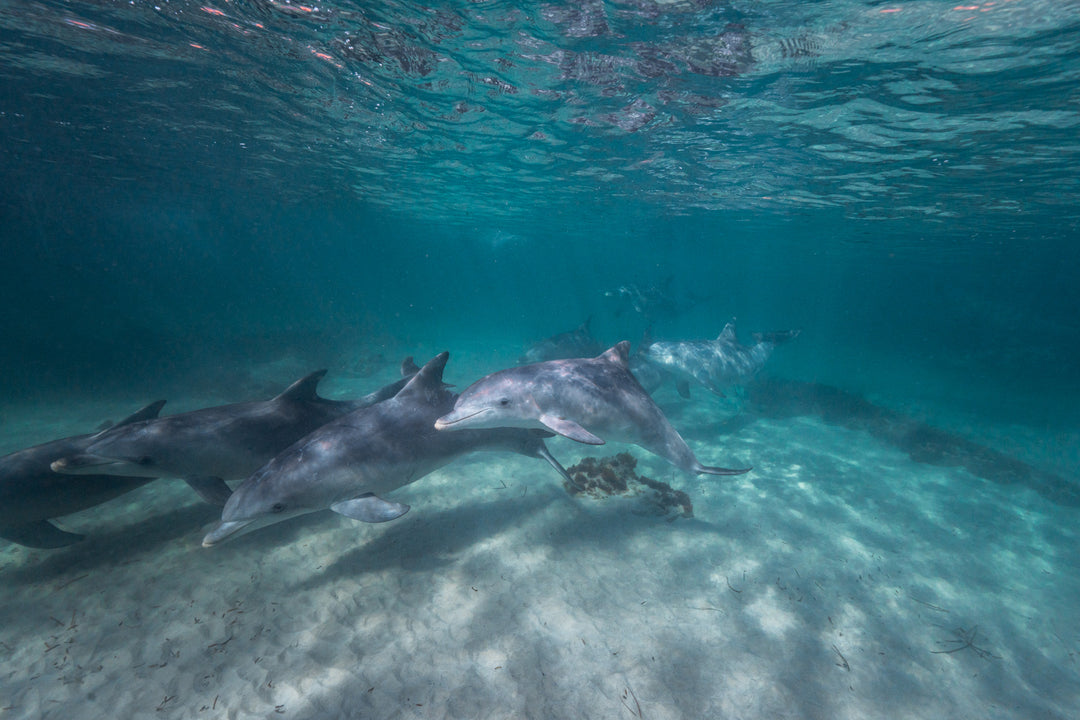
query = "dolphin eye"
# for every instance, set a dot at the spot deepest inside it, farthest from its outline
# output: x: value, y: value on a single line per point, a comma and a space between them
x: 144, y: 460
x: 277, y: 507
x: 504, y: 402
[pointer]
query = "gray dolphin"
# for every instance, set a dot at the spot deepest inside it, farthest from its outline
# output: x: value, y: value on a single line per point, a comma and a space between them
x: 716, y: 364
x: 31, y: 493
x: 570, y: 344
x: 568, y: 396
x: 348, y: 464
x: 227, y: 442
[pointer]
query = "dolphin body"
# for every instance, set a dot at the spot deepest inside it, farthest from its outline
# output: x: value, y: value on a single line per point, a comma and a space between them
x: 226, y: 442
x: 31, y: 493
x: 570, y: 344
x: 652, y: 302
x: 349, y: 463
x: 568, y: 396
x: 716, y: 364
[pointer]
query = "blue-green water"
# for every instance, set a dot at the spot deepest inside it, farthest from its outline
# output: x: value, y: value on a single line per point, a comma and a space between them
x: 192, y: 193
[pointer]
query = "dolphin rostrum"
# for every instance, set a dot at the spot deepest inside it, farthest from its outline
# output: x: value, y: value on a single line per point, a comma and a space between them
x: 348, y: 464
x: 31, y: 493
x: 574, y: 398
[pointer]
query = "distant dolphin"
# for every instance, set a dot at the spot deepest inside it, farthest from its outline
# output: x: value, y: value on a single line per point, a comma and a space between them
x: 716, y: 364
x: 568, y: 396
x: 227, y: 442
x: 570, y: 344
x: 652, y: 302
x: 348, y: 464
x: 31, y: 493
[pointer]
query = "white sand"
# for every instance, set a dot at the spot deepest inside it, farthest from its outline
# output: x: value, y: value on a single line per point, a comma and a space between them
x: 825, y: 584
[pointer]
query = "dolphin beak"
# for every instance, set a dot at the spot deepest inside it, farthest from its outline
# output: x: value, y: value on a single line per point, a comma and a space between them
x: 223, y: 531
x: 82, y: 464
x: 450, y: 419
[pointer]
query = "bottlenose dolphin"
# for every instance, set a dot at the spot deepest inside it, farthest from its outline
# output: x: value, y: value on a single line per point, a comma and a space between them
x: 570, y: 344
x: 652, y: 302
x: 349, y: 463
x: 716, y: 364
x: 227, y: 442
x: 31, y: 493
x: 568, y: 396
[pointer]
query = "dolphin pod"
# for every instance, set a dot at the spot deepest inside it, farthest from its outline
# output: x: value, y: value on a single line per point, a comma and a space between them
x: 299, y: 452
x: 347, y: 464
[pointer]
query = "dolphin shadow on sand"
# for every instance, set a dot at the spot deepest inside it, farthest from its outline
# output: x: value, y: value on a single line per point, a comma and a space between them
x: 923, y: 443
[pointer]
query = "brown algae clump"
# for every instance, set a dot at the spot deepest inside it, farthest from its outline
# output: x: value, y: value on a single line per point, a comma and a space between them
x: 604, y: 477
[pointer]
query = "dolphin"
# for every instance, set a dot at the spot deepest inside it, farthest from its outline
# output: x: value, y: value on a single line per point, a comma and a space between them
x: 348, y: 464
x: 570, y: 344
x: 227, y: 442
x: 716, y: 364
x: 569, y: 396
x: 652, y: 302
x: 31, y: 493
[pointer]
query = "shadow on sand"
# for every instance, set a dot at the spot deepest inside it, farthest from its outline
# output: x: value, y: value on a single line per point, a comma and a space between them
x: 776, y: 398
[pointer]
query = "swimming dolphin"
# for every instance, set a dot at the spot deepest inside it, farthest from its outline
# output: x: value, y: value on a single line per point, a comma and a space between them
x: 227, y: 442
x: 350, y: 463
x: 570, y: 344
x: 31, y: 493
x: 652, y: 302
x: 574, y: 398
x: 716, y: 364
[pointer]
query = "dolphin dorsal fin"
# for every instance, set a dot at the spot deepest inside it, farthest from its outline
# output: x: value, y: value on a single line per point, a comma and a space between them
x: 409, y: 367
x: 146, y: 413
x: 303, y: 389
x: 426, y: 381
x: 728, y: 333
x: 618, y: 354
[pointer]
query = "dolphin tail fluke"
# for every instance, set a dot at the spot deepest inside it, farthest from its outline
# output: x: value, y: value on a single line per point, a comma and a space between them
x: 41, y: 534
x: 777, y: 337
x: 709, y: 470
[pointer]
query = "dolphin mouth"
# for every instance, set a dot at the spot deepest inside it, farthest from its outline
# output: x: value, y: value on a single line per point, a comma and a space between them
x: 85, y: 464
x: 224, y: 530
x: 449, y: 420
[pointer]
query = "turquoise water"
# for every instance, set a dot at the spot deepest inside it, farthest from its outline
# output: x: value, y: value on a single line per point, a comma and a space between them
x: 205, y: 200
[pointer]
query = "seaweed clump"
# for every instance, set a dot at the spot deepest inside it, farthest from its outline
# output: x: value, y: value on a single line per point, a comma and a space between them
x: 600, y: 478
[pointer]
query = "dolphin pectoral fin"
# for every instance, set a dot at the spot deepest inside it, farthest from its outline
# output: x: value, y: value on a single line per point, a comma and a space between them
x: 569, y: 429
x: 708, y: 470
x: 683, y: 388
x: 41, y: 534
x: 210, y: 488
x: 370, y: 509
x: 716, y: 390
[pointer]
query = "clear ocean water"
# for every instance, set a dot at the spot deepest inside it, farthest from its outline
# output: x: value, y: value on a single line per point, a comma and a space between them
x: 203, y: 201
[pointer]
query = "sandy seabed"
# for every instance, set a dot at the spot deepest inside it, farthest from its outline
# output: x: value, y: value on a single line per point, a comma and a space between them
x: 839, y: 579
